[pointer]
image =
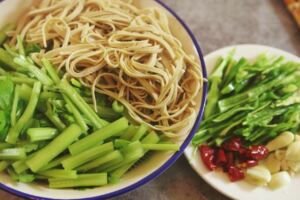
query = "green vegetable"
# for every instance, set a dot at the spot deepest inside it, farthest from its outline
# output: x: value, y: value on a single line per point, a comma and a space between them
x: 84, y: 180
x: 12, y: 154
x: 54, y: 148
x: 258, y: 100
x: 74, y: 161
x: 38, y: 134
x: 60, y: 173
x: 14, y: 131
x: 99, y: 136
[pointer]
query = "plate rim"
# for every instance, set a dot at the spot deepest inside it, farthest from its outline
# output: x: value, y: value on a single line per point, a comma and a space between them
x: 224, y: 50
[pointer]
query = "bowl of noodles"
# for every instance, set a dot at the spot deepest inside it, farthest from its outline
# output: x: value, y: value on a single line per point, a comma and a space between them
x: 139, y: 53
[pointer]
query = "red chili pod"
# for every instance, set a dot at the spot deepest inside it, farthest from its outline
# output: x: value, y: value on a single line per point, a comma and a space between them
x: 235, y: 173
x: 234, y: 144
x: 207, y: 155
x: 247, y: 164
x: 221, y: 157
x: 257, y: 152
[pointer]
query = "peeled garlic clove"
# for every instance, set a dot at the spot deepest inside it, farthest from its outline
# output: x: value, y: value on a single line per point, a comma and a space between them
x: 272, y: 163
x: 284, y: 166
x: 258, y: 175
x: 293, y: 165
x: 284, y: 139
x: 293, y: 151
x: 279, y: 180
x: 297, y: 137
x: 280, y: 154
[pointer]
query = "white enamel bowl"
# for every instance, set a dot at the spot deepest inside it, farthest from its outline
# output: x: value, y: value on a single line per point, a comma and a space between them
x: 219, y: 180
x: 10, y: 10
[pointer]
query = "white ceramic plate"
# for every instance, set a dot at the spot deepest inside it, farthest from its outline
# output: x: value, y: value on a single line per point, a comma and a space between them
x: 10, y: 11
x: 219, y: 180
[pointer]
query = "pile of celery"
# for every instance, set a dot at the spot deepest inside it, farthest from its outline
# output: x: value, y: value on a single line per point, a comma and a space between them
x: 49, y: 130
x: 252, y: 100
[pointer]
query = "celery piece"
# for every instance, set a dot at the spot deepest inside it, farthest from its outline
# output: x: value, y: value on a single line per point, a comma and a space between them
x: 120, y: 143
x: 151, y: 138
x: 13, y: 114
x: 37, y: 72
x: 38, y: 134
x: 54, y: 163
x: 6, y: 60
x: 3, y: 165
x: 99, y: 136
x: 129, y: 133
x: 79, y: 119
x: 20, y: 166
x: 115, y: 155
x: 12, y: 154
x: 117, y: 107
x: 161, y: 147
x: 51, y: 71
x: 81, y: 104
x: 140, y: 132
x: 59, y: 173
x: 83, y: 180
x: 88, y: 155
x: 4, y: 145
x: 14, y: 131
x: 20, y: 45
x: 54, y: 148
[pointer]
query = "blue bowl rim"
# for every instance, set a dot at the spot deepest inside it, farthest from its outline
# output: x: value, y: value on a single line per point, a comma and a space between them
x: 171, y: 160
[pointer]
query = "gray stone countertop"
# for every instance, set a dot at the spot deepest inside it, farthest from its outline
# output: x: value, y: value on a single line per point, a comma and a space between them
x: 217, y: 23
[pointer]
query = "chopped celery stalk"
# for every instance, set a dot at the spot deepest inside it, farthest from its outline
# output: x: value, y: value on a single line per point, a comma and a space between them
x: 140, y: 132
x: 14, y: 131
x: 107, y: 113
x: 20, y: 166
x: 83, y: 180
x: 115, y: 155
x: 108, y: 165
x: 151, y: 138
x: 20, y: 80
x: 129, y: 133
x: 20, y: 45
x: 59, y: 173
x: 81, y: 104
x: 3, y: 35
x: 54, y: 148
x: 12, y: 154
x: 38, y: 134
x: 54, y: 163
x: 6, y: 60
x: 37, y: 72
x: 51, y: 71
x: 3, y: 165
x: 25, y: 92
x: 13, y: 115
x: 120, y: 143
x: 132, y: 152
x: 117, y: 107
x: 88, y: 155
x: 99, y: 136
x: 79, y: 119
x: 4, y: 145
x: 162, y: 147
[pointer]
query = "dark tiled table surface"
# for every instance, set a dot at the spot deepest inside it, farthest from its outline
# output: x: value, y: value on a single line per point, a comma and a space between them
x: 217, y: 23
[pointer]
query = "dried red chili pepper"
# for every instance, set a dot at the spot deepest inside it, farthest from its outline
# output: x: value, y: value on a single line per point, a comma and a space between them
x: 257, y: 152
x: 207, y: 155
x: 234, y: 144
x: 221, y: 157
x: 235, y: 173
